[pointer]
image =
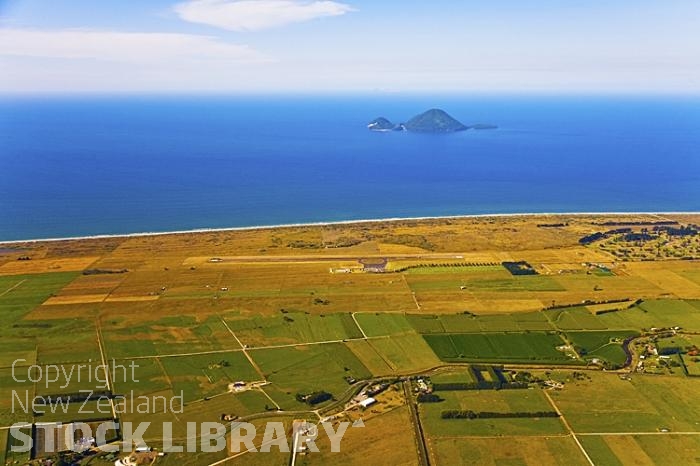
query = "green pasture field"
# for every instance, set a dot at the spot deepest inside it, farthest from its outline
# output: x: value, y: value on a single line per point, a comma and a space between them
x: 400, y: 354
x: 466, y: 323
x: 198, y: 411
x: 612, y: 353
x: 50, y: 341
x: 671, y: 344
x: 373, y: 361
x: 647, y: 403
x: 4, y: 434
x: 6, y: 454
x: 575, y: 318
x: 597, y: 344
x: 293, y: 327
x: 598, y: 449
x: 501, y: 282
x: 426, y: 323
x: 656, y: 313
x: 19, y: 294
x: 265, y: 289
x: 642, y: 449
x: 458, y: 323
x: 652, y: 313
x: 518, y: 283
x: 539, y: 347
x: 532, y: 321
x: 57, y: 340
x: 502, y: 401
x: 306, y: 369
x: 140, y: 376
x: 17, y: 349
x: 204, y: 375
x: 167, y: 335
x: 608, y: 286
x: 14, y: 395
x: 498, y: 323
x: 381, y: 324
x: 461, y: 375
x: 237, y: 404
x: 452, y: 269
x: 692, y: 365
x: 676, y: 449
x: 74, y: 411
x: 73, y: 378
x: 508, y: 451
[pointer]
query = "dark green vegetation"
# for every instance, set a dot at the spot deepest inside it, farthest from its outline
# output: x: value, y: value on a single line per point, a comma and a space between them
x: 533, y: 347
x: 520, y: 268
x: 544, y: 336
x: 434, y: 121
x: 430, y: 121
x: 381, y: 124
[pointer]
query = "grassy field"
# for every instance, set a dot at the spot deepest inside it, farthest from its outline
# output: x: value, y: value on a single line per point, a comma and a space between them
x: 14, y: 394
x: 19, y: 294
x: 17, y: 349
x: 306, y: 369
x: 167, y: 335
x: 205, y: 375
x: 396, y: 355
x: 453, y: 376
x: 657, y: 313
x: 644, y: 404
x: 501, y: 401
x: 6, y: 454
x: 466, y: 323
x: 293, y: 327
x: 533, y: 347
x: 601, y: 344
x: 453, y: 269
x: 512, y: 450
x: 642, y: 449
x: 376, y: 324
x: 576, y: 318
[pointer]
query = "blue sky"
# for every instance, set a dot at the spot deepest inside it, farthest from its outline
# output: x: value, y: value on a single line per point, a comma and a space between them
x: 305, y: 46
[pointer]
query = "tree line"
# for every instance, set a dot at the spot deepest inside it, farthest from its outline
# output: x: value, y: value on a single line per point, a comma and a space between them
x: 469, y: 414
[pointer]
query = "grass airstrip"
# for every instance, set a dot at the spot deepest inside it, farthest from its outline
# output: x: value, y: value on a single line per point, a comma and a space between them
x: 299, y: 310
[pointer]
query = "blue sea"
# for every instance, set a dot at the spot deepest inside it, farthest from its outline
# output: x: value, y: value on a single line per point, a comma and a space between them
x: 74, y: 166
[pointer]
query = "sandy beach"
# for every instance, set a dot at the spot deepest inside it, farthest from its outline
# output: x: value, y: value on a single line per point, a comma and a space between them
x: 340, y: 222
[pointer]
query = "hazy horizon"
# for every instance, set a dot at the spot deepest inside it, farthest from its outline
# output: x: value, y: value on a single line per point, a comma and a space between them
x: 349, y: 46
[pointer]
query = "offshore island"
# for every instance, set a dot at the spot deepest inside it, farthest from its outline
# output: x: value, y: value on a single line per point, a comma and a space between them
x: 431, y: 121
x: 442, y: 334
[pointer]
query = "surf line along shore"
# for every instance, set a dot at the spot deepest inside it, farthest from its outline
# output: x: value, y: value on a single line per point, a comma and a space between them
x: 340, y: 222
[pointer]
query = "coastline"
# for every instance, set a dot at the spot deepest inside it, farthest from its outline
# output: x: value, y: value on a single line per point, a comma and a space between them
x: 338, y: 222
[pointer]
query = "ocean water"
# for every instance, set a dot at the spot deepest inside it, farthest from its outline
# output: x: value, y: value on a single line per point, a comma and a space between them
x: 73, y: 166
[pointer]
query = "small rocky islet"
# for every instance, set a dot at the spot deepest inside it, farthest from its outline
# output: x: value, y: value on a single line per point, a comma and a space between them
x: 432, y: 121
